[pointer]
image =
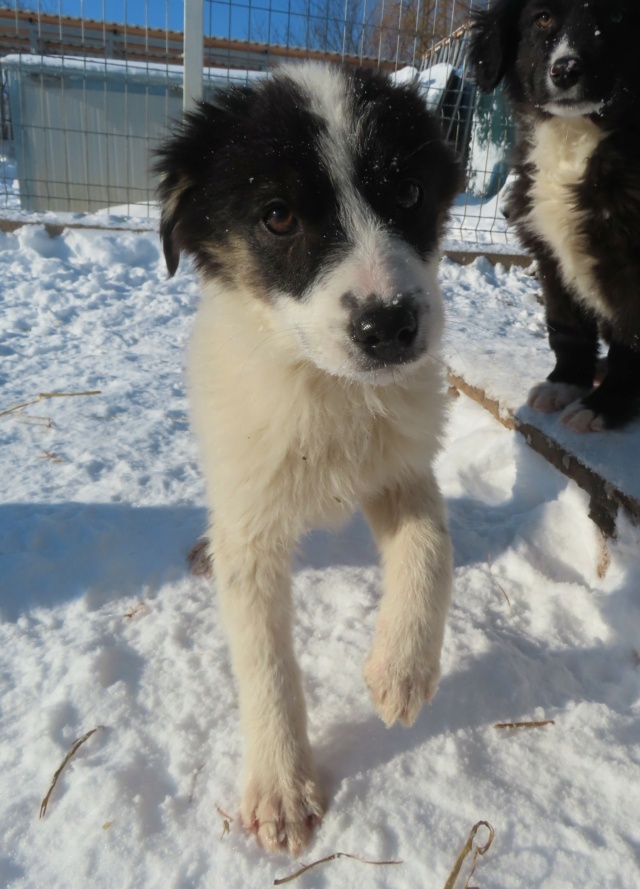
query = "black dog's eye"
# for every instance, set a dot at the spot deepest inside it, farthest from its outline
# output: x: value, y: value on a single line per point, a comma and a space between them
x: 279, y: 219
x: 616, y: 16
x: 544, y: 19
x: 409, y: 195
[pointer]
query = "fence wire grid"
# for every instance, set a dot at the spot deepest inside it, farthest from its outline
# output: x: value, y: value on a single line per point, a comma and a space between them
x: 88, y: 87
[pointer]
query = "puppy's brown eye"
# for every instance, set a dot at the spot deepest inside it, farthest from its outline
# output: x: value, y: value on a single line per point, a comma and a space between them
x: 409, y: 195
x: 279, y: 219
x: 544, y: 19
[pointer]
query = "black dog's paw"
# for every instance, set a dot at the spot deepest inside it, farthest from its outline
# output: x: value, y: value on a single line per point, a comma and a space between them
x: 549, y: 397
x: 580, y: 418
x: 602, y: 410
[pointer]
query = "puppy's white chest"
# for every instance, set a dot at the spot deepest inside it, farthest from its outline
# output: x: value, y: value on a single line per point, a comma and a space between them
x: 559, y: 154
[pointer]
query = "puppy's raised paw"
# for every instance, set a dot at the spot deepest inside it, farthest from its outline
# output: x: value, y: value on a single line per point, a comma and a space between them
x: 399, y: 690
x: 284, y: 816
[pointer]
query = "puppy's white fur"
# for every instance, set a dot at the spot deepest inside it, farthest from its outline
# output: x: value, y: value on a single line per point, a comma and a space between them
x: 285, y: 447
x: 379, y: 263
x: 300, y: 417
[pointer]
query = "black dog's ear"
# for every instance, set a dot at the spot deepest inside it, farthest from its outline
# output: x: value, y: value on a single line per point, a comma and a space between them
x: 494, y: 39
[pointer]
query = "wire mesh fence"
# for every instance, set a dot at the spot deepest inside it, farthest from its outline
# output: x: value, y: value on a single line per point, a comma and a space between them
x: 88, y: 87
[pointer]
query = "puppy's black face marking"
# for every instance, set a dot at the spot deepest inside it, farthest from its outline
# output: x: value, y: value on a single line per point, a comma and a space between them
x: 402, y: 167
x: 253, y: 169
x: 246, y: 173
x: 561, y: 57
x: 313, y: 190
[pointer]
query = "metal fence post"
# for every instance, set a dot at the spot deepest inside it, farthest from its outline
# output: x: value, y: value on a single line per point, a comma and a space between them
x: 193, y: 52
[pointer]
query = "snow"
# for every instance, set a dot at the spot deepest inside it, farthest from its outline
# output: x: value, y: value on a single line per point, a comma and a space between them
x: 9, y: 193
x: 432, y: 82
x: 101, y: 625
x: 496, y: 324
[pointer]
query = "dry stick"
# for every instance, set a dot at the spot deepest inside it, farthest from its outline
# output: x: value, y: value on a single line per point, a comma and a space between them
x: 35, y: 420
x: 227, y: 820
x: 531, y: 724
x: 497, y: 582
x: 55, y: 458
x: 219, y: 810
x: 141, y: 606
x: 76, y: 744
x: 43, y: 395
x: 333, y: 857
x: 468, y: 847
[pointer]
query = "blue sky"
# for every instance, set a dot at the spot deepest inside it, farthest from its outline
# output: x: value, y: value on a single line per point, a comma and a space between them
x: 261, y: 20
x: 154, y: 13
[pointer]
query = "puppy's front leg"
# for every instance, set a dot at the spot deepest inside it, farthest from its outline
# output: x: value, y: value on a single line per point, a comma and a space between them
x: 281, y: 801
x: 403, y: 667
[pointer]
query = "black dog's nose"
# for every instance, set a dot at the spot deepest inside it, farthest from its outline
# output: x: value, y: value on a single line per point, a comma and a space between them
x: 386, y: 332
x: 566, y: 72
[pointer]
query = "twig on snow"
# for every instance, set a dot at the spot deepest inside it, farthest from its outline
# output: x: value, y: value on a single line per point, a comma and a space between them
x: 43, y: 395
x: 140, y: 608
x: 533, y: 723
x: 76, y: 744
x: 227, y: 820
x: 333, y: 857
x: 497, y: 582
x: 36, y: 420
x: 466, y: 850
x: 55, y: 458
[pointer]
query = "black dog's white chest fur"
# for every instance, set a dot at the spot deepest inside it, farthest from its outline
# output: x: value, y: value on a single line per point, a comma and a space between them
x: 558, y: 155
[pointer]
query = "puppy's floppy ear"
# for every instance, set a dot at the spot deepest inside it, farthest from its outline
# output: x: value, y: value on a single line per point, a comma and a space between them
x: 171, y: 191
x: 183, y: 163
x: 173, y: 161
x: 494, y: 40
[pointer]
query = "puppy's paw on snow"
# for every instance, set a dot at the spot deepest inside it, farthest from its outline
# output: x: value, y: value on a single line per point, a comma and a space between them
x: 549, y: 397
x: 284, y: 814
x: 579, y: 418
x: 398, y: 690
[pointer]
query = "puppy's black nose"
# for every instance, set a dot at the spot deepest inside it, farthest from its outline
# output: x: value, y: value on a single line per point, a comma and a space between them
x: 386, y: 332
x: 566, y: 72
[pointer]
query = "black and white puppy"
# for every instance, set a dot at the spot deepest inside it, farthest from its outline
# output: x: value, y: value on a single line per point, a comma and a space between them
x: 312, y: 204
x: 571, y: 69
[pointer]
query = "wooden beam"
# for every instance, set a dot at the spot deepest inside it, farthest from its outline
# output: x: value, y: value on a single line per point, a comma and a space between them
x: 605, y: 499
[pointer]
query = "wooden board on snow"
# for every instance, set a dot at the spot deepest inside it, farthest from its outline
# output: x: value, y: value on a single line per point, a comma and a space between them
x: 605, y: 465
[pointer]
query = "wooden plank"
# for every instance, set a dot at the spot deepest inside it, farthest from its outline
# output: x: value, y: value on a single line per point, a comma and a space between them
x: 605, y: 498
x: 466, y: 257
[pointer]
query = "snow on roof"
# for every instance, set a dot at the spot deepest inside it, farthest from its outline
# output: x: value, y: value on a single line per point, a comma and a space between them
x: 120, y: 68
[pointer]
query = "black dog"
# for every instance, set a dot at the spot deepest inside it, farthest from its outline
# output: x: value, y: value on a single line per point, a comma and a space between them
x: 571, y: 69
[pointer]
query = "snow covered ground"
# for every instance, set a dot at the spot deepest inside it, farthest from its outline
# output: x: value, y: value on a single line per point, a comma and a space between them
x: 100, y: 625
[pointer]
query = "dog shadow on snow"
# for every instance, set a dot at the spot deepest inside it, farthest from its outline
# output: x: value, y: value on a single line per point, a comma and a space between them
x: 504, y: 674
x: 55, y: 553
